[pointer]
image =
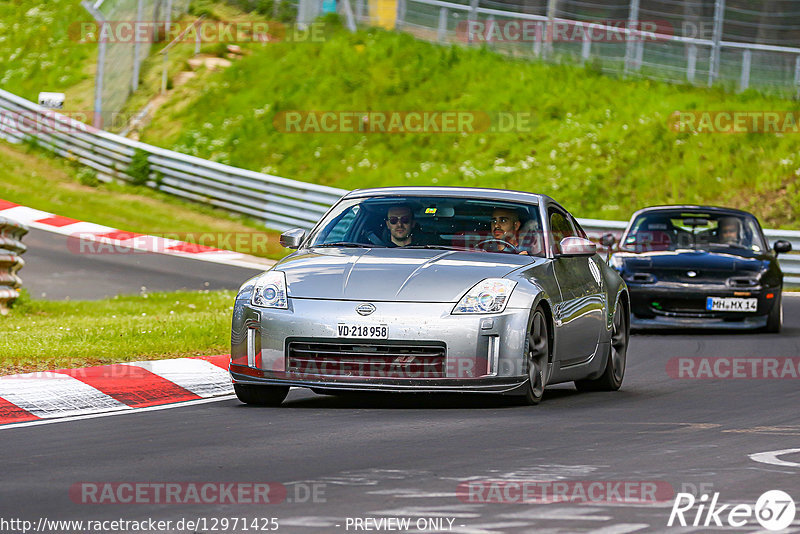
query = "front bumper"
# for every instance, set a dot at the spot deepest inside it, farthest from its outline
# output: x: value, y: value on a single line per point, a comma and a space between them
x: 674, y: 305
x: 496, y: 385
x: 482, y: 353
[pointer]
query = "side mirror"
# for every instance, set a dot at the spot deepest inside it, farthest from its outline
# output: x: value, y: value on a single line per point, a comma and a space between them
x: 608, y: 240
x: 782, y: 246
x: 293, y: 238
x: 577, y: 246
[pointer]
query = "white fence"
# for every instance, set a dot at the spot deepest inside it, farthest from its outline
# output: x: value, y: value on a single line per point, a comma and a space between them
x: 280, y: 203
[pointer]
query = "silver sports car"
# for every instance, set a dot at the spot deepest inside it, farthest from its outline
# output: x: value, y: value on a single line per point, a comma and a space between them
x: 433, y: 289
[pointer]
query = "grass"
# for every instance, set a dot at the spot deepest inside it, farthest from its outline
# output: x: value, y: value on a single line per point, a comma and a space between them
x: 42, y: 335
x: 38, y: 52
x: 32, y: 178
x: 599, y: 145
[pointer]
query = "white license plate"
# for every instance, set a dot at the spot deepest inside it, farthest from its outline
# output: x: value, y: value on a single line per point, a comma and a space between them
x: 363, y: 331
x: 731, y: 304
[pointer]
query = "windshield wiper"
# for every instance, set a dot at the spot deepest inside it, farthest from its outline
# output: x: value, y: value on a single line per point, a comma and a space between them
x: 346, y: 244
x: 729, y: 245
x: 436, y: 247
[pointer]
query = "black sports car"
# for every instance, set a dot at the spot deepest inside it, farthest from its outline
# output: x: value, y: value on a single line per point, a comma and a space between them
x: 700, y: 266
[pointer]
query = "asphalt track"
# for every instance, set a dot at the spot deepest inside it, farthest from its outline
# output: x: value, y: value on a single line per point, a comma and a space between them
x: 54, y: 269
x: 388, y: 456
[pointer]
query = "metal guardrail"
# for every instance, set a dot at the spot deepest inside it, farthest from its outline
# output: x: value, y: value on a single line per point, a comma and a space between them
x: 280, y: 203
x: 11, y: 247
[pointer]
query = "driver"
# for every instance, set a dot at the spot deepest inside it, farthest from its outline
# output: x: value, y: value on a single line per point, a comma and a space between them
x: 505, y: 225
x: 400, y: 222
x: 729, y: 231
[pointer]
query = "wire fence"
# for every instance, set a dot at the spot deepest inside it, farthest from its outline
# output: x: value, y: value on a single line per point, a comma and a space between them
x: 738, y: 44
x: 125, y: 31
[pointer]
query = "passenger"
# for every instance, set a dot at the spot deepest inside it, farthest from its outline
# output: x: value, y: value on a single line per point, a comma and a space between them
x: 400, y: 222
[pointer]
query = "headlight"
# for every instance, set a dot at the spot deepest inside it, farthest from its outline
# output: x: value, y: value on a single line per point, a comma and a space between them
x: 616, y: 263
x: 488, y: 296
x: 269, y: 291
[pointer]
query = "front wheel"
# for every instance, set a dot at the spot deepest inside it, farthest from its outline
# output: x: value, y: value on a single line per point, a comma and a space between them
x: 614, y: 372
x: 260, y: 395
x: 537, y: 357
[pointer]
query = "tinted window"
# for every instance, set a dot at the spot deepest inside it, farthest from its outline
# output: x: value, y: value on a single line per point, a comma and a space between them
x: 560, y: 227
x: 687, y: 229
x: 433, y: 222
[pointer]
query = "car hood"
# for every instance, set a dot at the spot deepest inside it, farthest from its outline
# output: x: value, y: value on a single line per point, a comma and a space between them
x: 686, y: 260
x: 393, y: 274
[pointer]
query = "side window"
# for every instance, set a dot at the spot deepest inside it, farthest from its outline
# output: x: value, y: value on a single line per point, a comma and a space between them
x: 578, y: 230
x: 560, y: 227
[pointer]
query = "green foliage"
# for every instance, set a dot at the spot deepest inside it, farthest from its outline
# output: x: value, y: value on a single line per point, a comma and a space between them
x: 600, y: 145
x: 22, y: 303
x: 285, y: 11
x: 139, y: 169
x: 87, y: 176
x: 39, y: 48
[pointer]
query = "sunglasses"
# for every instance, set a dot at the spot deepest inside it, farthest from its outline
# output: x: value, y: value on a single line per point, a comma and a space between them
x: 394, y: 220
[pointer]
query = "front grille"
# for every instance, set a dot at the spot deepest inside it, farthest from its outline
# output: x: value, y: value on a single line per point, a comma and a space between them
x: 688, y: 307
x: 375, y: 360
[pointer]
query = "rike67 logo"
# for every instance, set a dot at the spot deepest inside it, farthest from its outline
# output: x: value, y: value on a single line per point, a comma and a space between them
x: 774, y: 510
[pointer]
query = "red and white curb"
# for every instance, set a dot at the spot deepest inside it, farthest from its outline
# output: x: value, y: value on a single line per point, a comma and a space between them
x: 86, y: 231
x: 119, y: 387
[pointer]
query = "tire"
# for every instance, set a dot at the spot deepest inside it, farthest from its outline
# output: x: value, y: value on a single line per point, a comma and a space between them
x: 614, y: 371
x: 775, y: 317
x: 261, y: 395
x: 537, y: 357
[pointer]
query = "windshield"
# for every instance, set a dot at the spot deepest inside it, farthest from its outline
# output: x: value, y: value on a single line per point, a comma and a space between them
x: 699, y: 230
x: 432, y: 222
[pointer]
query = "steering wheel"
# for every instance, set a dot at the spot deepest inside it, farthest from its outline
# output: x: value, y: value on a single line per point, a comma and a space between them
x: 498, y: 241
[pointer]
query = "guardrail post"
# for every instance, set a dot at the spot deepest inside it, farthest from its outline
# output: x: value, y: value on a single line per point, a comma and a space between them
x: 197, y: 40
x: 349, y: 18
x: 472, y: 17
x: 744, y: 80
x: 441, y: 33
x: 11, y: 247
x: 586, y: 46
x: 550, y: 27
x: 401, y: 14
x: 97, y: 120
x: 797, y: 74
x: 359, y: 10
x: 631, y: 37
x: 691, y: 65
x: 537, y: 40
x: 714, y: 59
x: 137, y: 46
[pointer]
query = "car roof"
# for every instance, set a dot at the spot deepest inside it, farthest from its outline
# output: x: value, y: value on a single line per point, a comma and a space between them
x: 692, y: 207
x: 458, y: 192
